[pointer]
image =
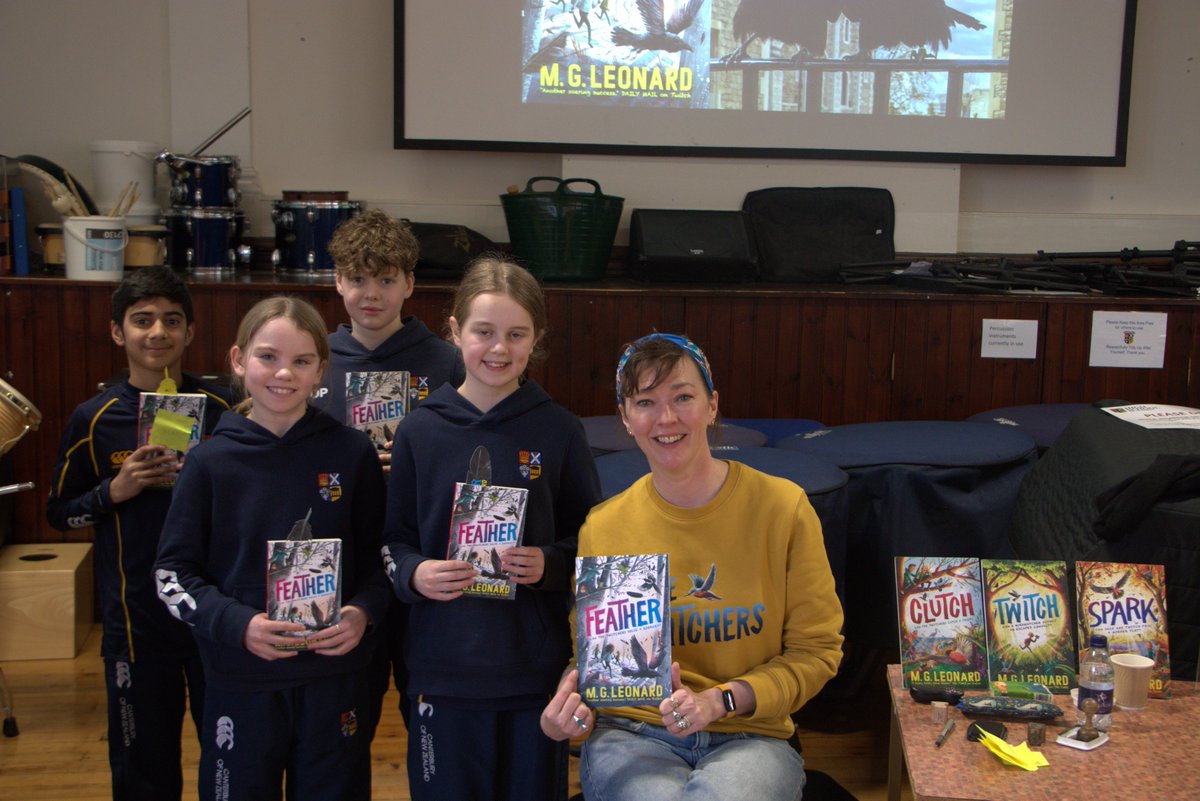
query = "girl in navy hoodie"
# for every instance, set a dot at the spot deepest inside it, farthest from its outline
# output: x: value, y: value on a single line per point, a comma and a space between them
x: 481, y: 669
x: 273, y: 709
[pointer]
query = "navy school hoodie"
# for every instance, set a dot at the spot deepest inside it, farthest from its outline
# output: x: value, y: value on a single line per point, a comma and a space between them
x: 246, y: 486
x: 430, y: 361
x: 98, y: 437
x: 478, y: 647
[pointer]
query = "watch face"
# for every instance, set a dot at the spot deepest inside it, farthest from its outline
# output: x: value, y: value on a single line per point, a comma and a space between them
x: 730, y: 703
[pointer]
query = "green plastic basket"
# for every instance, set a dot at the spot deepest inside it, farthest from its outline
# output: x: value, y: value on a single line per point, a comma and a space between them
x: 562, y: 235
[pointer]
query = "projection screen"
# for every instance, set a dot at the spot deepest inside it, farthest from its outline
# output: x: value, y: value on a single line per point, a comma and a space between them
x: 985, y: 81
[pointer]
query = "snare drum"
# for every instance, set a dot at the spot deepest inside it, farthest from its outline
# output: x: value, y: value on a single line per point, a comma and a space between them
x: 17, y: 416
x: 206, y: 239
x: 303, y: 229
x: 205, y: 182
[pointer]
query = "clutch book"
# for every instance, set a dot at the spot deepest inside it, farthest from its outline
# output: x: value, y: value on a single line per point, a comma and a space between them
x: 1029, y: 622
x: 1128, y: 604
x: 376, y: 402
x: 304, y: 582
x: 939, y: 601
x: 183, y: 404
x: 487, y: 520
x: 623, y: 629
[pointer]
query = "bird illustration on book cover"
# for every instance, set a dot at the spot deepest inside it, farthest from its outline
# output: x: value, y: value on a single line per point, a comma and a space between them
x: 1029, y: 622
x: 622, y: 629
x: 939, y: 603
x: 1128, y: 604
x: 304, y: 579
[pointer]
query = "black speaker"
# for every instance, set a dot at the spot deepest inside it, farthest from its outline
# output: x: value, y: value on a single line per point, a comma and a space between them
x: 691, y: 246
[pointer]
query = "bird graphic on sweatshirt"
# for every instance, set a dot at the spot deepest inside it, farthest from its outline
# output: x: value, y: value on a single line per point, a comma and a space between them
x: 702, y: 586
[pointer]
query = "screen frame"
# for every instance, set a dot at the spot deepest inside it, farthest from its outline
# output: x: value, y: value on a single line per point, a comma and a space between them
x: 1117, y: 158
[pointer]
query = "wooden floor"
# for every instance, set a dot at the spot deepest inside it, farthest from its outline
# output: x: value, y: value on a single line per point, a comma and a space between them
x: 62, y: 753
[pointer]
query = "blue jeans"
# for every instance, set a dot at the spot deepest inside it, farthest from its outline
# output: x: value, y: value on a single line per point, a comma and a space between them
x: 626, y: 759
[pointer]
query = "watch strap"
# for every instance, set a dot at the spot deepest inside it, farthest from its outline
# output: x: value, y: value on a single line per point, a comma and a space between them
x: 727, y: 699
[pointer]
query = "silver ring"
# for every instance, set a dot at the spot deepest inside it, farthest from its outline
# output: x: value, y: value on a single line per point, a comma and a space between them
x: 579, y: 722
x: 678, y: 717
x: 684, y: 723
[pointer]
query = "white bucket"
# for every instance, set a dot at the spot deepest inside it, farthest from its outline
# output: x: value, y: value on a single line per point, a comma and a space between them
x: 118, y: 162
x: 95, y: 248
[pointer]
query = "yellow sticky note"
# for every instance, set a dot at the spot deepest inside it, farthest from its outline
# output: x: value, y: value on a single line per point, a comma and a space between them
x: 1019, y: 755
x: 171, y: 430
x: 167, y: 385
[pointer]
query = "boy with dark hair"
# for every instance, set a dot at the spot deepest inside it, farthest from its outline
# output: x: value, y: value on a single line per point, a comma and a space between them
x: 104, y: 479
x: 374, y: 257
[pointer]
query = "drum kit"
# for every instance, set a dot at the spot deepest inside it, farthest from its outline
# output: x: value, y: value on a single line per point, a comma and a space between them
x: 206, y: 226
x: 18, y: 416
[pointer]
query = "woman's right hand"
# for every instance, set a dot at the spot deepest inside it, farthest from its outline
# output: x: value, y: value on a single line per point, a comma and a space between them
x: 566, y: 715
x: 443, y: 579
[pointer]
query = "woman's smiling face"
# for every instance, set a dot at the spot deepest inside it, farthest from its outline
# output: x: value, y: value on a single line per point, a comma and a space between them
x: 669, y: 419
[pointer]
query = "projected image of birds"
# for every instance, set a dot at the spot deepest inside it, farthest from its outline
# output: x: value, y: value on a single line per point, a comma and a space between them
x: 922, y: 26
x: 659, y: 33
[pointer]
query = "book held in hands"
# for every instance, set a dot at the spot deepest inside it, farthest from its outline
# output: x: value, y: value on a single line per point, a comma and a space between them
x: 623, y: 629
x: 376, y: 402
x: 173, y: 420
x: 486, y: 521
x: 304, y: 582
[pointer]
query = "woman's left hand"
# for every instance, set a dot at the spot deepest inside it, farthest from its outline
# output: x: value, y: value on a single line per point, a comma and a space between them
x: 342, y: 637
x: 685, y: 712
x: 524, y: 564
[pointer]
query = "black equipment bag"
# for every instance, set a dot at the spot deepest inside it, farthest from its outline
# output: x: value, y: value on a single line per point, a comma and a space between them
x: 806, y: 234
x: 692, y: 246
x: 446, y: 248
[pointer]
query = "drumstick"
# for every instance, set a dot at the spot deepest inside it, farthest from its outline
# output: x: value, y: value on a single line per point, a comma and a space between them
x: 83, y: 210
x: 133, y: 198
x: 120, y: 199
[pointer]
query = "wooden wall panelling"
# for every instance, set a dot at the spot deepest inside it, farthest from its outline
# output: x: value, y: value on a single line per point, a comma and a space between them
x: 939, y: 373
x: 1070, y: 379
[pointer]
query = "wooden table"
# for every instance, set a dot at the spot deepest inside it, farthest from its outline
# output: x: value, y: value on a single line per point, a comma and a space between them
x: 1152, y: 754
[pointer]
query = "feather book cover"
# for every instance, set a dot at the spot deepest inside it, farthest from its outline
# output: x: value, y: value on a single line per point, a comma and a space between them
x: 304, y: 579
x: 376, y: 402
x: 487, y: 520
x: 623, y: 629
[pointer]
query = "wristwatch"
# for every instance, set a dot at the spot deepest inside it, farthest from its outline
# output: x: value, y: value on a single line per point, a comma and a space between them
x: 727, y: 699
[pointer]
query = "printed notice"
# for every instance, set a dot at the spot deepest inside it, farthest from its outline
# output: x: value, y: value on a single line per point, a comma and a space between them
x: 1009, y: 339
x: 1157, y: 415
x: 1128, y: 339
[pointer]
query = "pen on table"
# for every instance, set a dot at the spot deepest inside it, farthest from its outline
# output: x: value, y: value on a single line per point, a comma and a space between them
x: 941, y: 738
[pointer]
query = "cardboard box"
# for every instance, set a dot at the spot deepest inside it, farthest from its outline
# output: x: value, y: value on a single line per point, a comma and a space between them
x: 45, y: 600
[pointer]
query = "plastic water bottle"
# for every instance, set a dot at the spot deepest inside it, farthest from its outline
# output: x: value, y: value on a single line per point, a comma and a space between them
x: 1096, y: 682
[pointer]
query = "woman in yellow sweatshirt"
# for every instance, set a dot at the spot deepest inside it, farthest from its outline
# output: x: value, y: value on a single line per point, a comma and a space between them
x: 755, y: 621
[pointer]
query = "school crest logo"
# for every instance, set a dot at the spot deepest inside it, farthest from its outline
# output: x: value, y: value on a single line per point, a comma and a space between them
x: 329, y: 486
x: 350, y: 723
x: 530, y: 464
x: 418, y: 387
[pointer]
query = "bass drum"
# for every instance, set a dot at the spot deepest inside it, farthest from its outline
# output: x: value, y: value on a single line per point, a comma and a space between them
x: 206, y: 240
x: 303, y: 229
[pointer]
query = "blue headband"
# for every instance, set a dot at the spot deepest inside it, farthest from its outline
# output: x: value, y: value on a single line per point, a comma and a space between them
x: 689, y: 347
